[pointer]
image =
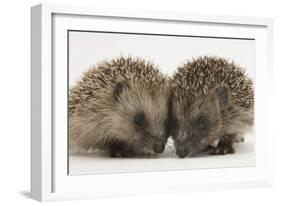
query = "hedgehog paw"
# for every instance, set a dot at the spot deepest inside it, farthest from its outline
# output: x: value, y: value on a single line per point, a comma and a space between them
x: 222, y: 149
x: 127, y: 153
x: 120, y: 150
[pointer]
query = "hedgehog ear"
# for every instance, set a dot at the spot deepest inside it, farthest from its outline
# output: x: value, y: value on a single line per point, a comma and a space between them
x: 222, y: 94
x: 119, y: 88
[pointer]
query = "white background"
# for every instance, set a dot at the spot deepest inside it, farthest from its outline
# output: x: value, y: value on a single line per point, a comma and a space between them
x: 167, y: 52
x: 15, y: 102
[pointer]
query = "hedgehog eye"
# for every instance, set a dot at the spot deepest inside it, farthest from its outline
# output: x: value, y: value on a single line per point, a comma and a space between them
x: 139, y: 119
x: 202, y: 122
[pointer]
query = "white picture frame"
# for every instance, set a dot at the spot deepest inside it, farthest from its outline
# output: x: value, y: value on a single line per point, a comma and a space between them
x: 49, y: 178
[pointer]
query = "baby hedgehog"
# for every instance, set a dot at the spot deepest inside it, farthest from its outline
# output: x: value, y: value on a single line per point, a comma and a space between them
x: 121, y: 107
x: 212, y: 106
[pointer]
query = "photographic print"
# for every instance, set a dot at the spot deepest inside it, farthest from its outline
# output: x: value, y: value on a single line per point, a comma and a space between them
x: 158, y: 102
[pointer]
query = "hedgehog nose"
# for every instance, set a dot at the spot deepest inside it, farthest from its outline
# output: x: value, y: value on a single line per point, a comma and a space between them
x: 182, y: 152
x: 158, y: 147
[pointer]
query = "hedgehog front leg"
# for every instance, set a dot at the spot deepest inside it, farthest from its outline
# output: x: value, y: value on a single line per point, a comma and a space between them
x: 120, y: 149
x: 225, y: 145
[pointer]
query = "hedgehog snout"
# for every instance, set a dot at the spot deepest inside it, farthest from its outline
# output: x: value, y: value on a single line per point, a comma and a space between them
x: 181, y: 151
x: 158, y: 147
x: 158, y: 141
x: 188, y: 148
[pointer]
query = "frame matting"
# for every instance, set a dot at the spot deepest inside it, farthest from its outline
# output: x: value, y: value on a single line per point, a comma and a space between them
x: 49, y: 176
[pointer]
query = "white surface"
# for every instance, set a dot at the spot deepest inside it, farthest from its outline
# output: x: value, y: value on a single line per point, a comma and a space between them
x: 98, y: 163
x: 15, y: 150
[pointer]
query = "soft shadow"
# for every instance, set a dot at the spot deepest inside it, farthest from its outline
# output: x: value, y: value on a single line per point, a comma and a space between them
x: 25, y: 193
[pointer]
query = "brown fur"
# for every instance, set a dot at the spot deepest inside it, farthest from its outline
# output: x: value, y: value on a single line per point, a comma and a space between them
x: 120, y: 106
x: 216, y: 91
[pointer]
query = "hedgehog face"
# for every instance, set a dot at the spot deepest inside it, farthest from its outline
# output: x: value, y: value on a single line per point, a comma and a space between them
x: 140, y: 117
x: 197, y: 123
